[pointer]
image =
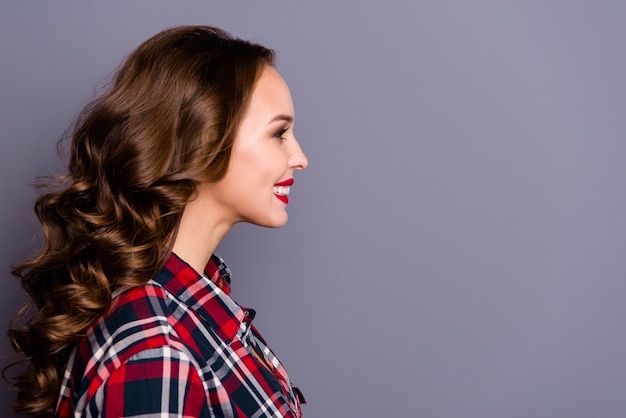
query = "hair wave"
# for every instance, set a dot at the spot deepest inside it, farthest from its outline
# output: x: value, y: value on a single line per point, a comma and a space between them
x: 166, y: 124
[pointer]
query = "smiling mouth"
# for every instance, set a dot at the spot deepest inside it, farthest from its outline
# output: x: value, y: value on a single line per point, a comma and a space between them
x: 281, y: 190
x: 282, y: 193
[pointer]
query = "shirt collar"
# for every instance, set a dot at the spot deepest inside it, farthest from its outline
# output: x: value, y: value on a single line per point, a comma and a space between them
x: 209, y: 296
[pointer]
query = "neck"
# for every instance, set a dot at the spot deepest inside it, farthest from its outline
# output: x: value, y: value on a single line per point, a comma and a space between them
x: 198, y: 234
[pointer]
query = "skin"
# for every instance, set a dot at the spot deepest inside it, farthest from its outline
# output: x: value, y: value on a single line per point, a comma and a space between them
x: 265, y: 152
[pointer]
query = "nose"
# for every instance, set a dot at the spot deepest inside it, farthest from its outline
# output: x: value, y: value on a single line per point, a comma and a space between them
x: 298, y: 160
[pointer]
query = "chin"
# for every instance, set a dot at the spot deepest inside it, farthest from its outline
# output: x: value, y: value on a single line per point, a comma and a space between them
x: 278, y: 224
x: 275, y: 222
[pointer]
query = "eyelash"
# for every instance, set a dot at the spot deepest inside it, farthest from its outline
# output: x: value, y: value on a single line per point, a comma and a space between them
x: 280, y: 133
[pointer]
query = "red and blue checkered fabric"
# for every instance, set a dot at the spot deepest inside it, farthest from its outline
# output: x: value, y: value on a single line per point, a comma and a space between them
x: 178, y: 346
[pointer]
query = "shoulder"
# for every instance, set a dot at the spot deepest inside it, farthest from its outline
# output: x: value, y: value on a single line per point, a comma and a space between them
x: 145, y: 383
x: 140, y: 313
x: 137, y: 320
x: 147, y: 304
x: 136, y: 334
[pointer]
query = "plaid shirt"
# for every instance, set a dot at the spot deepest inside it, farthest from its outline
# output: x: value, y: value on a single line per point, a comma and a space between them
x: 178, y: 346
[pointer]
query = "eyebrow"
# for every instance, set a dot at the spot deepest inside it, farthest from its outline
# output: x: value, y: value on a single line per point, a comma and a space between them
x: 286, y: 118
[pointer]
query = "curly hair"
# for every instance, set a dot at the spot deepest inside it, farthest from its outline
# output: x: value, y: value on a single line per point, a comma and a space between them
x: 166, y: 124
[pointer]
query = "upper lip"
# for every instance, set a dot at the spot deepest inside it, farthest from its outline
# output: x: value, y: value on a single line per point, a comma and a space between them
x: 287, y: 182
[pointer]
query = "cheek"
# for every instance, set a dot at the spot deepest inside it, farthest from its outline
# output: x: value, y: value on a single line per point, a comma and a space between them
x: 264, y: 164
x: 250, y: 174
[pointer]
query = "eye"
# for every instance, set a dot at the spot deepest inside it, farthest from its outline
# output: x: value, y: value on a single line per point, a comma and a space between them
x: 279, y: 134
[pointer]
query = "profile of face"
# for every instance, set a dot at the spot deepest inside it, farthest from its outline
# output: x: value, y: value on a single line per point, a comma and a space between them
x: 263, y: 160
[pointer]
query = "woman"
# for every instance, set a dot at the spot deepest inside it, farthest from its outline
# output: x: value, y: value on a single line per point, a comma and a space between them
x: 133, y: 315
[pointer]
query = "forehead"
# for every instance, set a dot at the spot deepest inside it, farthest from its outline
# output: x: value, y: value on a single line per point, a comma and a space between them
x: 271, y: 95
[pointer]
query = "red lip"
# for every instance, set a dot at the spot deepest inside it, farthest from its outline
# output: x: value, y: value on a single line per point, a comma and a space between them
x: 288, y: 182
x: 282, y: 198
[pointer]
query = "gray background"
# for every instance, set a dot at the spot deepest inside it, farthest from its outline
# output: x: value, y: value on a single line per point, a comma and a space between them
x: 456, y: 247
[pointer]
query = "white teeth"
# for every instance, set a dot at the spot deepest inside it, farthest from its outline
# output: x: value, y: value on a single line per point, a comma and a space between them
x: 282, y: 190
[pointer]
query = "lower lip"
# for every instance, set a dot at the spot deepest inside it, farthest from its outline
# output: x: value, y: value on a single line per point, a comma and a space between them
x: 282, y: 198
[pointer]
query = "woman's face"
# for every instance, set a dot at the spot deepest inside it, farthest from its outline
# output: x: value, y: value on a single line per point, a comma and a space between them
x: 264, y: 157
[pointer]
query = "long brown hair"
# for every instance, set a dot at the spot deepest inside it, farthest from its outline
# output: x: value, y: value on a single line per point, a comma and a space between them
x: 137, y: 154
